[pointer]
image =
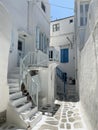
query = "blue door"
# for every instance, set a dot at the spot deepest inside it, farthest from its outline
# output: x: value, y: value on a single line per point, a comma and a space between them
x: 64, y: 55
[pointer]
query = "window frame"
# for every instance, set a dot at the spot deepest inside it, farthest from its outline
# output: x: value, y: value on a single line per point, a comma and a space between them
x: 56, y: 27
x: 83, y: 13
x: 64, y: 55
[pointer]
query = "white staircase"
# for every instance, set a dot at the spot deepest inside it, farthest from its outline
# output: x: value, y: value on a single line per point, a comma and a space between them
x: 21, y: 110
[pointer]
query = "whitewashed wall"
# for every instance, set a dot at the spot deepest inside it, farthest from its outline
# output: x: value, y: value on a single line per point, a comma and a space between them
x: 88, y: 69
x: 59, y: 40
x: 43, y: 98
x: 26, y: 19
x: 88, y: 82
x: 5, y: 39
x: 52, y: 83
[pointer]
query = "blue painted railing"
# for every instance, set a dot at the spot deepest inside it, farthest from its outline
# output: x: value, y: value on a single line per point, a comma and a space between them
x: 63, y: 76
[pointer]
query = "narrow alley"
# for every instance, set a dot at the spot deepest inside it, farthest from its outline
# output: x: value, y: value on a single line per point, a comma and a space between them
x: 68, y: 117
x: 49, y: 65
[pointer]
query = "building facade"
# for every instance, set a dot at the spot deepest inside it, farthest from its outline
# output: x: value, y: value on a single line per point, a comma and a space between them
x: 62, y: 40
x: 25, y: 28
x: 81, y: 14
x: 86, y: 37
x: 30, y: 31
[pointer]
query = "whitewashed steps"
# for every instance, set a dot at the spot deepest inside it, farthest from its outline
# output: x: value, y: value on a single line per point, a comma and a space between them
x: 14, y: 76
x: 15, y: 95
x: 19, y: 101
x: 14, y: 90
x: 29, y: 112
x: 23, y: 107
x: 13, y: 85
x: 16, y: 71
x: 25, y: 114
x: 11, y: 80
x: 34, y: 119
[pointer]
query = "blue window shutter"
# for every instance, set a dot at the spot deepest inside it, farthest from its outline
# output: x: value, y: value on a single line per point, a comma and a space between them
x: 64, y: 55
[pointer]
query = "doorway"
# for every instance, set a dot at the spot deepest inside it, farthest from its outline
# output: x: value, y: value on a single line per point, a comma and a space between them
x: 21, y: 49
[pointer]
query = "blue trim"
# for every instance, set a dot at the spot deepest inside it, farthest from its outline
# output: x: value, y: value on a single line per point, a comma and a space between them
x: 64, y: 55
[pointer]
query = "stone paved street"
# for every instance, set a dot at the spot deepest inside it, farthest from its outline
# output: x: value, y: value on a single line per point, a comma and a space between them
x: 68, y: 117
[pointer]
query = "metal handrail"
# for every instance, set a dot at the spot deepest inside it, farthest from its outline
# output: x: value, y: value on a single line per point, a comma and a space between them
x: 32, y: 59
x: 35, y: 59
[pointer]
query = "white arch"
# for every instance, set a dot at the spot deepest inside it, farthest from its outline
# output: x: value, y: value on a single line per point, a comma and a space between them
x: 5, y: 38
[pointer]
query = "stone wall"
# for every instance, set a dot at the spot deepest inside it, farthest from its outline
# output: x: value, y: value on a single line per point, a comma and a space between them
x: 88, y: 81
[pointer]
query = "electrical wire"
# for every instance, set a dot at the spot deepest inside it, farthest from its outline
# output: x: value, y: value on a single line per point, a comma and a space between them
x: 60, y: 6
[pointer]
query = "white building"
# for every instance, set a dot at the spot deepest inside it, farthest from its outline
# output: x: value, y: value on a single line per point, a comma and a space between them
x: 62, y: 39
x: 86, y: 37
x: 30, y: 31
x: 81, y: 13
x: 24, y: 28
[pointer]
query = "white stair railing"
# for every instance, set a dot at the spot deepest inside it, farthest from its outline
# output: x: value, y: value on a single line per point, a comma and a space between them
x: 32, y: 83
x: 33, y: 88
x: 35, y: 59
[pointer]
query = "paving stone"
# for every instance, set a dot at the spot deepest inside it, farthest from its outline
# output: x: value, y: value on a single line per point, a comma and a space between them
x: 70, y: 112
x: 47, y: 127
x: 52, y: 122
x: 62, y: 126
x: 68, y: 126
x: 76, y: 114
x: 71, y: 119
x: 77, y: 118
x: 78, y: 125
x: 64, y: 120
x: 69, y: 115
x: 63, y: 116
x: 76, y: 110
x: 50, y: 119
x: 57, y: 117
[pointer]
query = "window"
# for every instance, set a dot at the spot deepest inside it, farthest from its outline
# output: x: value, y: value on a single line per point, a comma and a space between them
x: 37, y: 37
x: 20, y: 45
x: 84, y: 6
x: 43, y: 7
x: 56, y: 27
x: 50, y: 55
x: 71, y: 21
x: 64, y: 56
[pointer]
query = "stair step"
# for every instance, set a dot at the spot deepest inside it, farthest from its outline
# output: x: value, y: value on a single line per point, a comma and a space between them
x: 29, y: 112
x: 12, y: 80
x: 23, y: 107
x: 19, y: 101
x: 14, y: 76
x: 16, y: 71
x: 13, y: 85
x: 33, y: 120
x: 16, y: 95
x: 13, y: 90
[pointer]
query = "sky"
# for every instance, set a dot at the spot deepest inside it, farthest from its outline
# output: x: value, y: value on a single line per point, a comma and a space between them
x: 62, y: 11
